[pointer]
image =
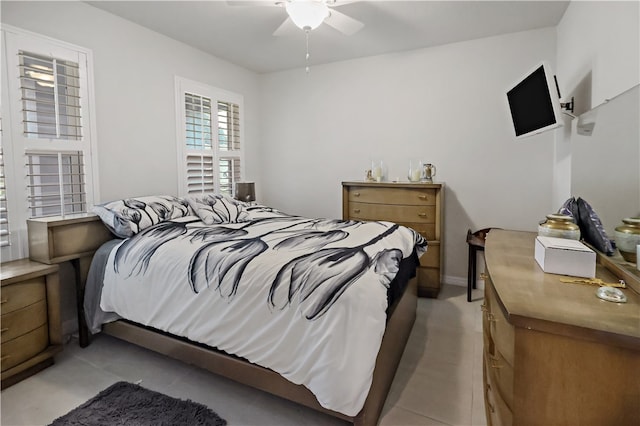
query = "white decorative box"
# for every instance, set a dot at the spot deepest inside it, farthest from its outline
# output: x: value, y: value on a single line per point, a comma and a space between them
x: 565, y: 257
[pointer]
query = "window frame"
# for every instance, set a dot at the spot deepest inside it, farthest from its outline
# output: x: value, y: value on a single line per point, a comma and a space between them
x: 184, y: 86
x: 16, y: 145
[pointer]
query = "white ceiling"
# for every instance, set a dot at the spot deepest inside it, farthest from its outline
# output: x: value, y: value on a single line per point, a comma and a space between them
x: 242, y: 34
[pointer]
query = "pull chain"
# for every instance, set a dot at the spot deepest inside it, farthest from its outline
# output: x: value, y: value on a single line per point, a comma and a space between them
x: 307, y: 56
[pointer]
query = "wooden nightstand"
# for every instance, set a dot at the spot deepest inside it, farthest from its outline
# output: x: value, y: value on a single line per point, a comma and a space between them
x: 30, y: 319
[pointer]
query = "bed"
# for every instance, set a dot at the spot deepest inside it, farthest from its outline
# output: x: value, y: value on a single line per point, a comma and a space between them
x: 317, y: 311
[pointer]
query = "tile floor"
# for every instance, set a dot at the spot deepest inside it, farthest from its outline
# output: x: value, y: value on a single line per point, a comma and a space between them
x: 439, y: 381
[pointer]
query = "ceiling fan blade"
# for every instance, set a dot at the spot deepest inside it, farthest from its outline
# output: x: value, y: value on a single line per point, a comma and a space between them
x: 286, y: 28
x: 343, y: 23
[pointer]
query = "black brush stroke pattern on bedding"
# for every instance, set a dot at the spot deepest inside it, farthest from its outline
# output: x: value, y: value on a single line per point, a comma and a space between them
x: 312, y: 281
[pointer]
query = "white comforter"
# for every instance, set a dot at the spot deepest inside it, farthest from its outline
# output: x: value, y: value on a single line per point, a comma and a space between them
x: 303, y: 297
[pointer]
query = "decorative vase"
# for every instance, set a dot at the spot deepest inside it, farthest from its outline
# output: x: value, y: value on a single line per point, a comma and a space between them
x: 415, y: 171
x: 627, y: 238
x: 559, y: 226
x: 378, y: 170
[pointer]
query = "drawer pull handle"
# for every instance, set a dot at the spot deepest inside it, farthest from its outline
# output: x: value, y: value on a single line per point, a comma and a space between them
x: 4, y: 358
x: 356, y: 194
x: 4, y: 330
x: 494, y: 362
x: 3, y: 301
x: 422, y: 214
x: 422, y: 197
x: 483, y: 276
x: 356, y: 210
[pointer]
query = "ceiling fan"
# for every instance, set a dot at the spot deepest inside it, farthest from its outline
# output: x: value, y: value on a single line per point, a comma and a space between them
x: 309, y: 14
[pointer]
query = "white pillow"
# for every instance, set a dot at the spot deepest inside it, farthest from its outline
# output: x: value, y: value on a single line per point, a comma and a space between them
x: 218, y: 209
x: 127, y: 217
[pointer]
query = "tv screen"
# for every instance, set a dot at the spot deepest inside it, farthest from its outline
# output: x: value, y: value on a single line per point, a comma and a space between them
x: 534, y: 103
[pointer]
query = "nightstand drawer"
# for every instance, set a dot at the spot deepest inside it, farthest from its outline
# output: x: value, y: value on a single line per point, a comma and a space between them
x: 22, y: 321
x: 17, y: 296
x: 403, y: 196
x: 392, y: 213
x: 24, y: 347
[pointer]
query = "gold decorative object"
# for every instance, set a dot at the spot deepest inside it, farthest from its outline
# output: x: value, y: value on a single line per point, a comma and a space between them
x: 594, y: 281
x: 627, y: 238
x: 559, y: 226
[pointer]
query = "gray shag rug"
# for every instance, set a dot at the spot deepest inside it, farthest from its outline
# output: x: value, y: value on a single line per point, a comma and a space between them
x: 128, y: 404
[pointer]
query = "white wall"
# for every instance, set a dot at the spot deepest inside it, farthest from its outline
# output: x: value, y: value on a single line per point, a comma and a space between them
x: 598, y: 51
x: 446, y: 105
x: 598, y: 58
x: 307, y: 133
x: 134, y: 91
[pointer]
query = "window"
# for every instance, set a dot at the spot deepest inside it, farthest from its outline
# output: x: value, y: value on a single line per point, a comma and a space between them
x: 4, y: 214
x: 209, y: 138
x: 48, y: 143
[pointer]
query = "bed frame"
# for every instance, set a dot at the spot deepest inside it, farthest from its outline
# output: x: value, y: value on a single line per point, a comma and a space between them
x: 54, y: 240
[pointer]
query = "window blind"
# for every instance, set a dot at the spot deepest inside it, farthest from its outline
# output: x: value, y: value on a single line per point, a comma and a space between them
x: 200, y: 174
x: 198, y: 121
x: 228, y: 126
x: 4, y: 213
x: 56, y: 183
x: 50, y: 96
x: 229, y: 174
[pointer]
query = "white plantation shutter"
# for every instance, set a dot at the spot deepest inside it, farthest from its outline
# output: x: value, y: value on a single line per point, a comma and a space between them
x: 209, y: 138
x: 4, y: 213
x: 55, y: 183
x: 50, y: 139
x: 228, y: 126
x: 198, y: 122
x: 229, y: 173
x: 50, y: 95
x: 200, y: 171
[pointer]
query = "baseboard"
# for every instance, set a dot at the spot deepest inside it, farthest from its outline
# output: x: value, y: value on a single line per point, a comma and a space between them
x: 460, y: 281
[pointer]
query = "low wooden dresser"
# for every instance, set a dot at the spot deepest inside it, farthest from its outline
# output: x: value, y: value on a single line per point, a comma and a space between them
x: 416, y: 205
x: 554, y: 353
x: 30, y: 321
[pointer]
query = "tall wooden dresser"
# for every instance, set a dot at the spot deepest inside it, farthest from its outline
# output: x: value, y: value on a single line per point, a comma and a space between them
x: 416, y: 205
x: 555, y: 354
x: 31, y: 327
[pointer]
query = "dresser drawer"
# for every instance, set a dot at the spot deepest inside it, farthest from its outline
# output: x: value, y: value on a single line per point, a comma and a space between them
x: 501, y: 373
x: 427, y: 230
x: 403, y: 196
x: 428, y: 278
x: 392, y: 213
x: 16, y: 296
x: 498, y: 413
x: 502, y: 333
x: 22, y: 321
x: 24, y: 347
x: 431, y: 258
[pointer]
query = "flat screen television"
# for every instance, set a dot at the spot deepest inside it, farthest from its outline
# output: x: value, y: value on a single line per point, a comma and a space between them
x: 534, y: 102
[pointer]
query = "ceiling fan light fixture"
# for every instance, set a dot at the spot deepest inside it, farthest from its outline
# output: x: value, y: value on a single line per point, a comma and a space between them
x: 307, y: 14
